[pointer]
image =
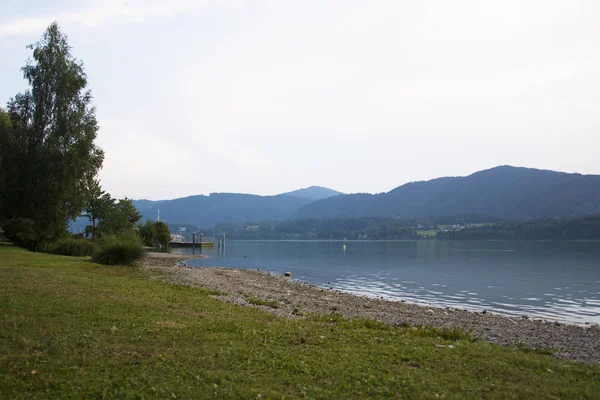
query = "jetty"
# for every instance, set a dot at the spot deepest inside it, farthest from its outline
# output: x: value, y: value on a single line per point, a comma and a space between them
x: 180, y: 241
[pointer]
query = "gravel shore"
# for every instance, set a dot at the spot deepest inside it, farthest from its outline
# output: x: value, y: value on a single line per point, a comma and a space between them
x: 578, y: 343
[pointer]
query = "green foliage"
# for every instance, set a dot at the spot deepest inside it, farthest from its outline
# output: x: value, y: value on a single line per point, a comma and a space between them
x: 120, y: 216
x: 124, y: 248
x: 73, y: 247
x: 155, y: 233
x: 147, y: 233
x: 6, y: 137
x: 97, y: 205
x: 163, y: 236
x: 22, y: 232
x: 47, y: 150
x: 4, y: 119
x: 112, y: 332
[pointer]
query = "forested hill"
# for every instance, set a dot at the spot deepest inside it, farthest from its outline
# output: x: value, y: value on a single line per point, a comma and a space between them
x: 506, y: 192
x: 216, y: 208
x: 502, y: 191
x: 233, y: 208
x: 314, y: 193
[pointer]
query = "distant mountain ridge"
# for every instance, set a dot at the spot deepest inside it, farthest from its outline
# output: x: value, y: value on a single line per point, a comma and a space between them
x: 234, y: 208
x: 314, y: 193
x: 505, y: 191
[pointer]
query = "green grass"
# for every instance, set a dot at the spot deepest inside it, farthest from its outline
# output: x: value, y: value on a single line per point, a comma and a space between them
x: 70, y: 328
x: 260, y: 302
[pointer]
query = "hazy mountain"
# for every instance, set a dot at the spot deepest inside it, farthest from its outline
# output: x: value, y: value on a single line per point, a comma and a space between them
x: 222, y: 208
x: 314, y: 193
x: 143, y: 204
x: 502, y: 191
x: 505, y: 191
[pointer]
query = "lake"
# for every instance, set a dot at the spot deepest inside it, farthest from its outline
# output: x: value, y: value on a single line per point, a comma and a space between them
x: 554, y: 280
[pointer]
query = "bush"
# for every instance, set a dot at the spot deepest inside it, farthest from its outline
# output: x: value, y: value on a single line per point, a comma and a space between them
x: 155, y: 233
x: 123, y: 249
x: 73, y: 247
x: 148, y: 233
x: 163, y: 236
x: 22, y: 232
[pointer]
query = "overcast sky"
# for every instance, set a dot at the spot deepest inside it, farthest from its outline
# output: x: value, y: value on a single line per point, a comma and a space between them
x: 264, y: 97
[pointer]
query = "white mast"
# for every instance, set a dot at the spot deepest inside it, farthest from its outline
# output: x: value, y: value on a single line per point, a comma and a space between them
x: 158, y: 215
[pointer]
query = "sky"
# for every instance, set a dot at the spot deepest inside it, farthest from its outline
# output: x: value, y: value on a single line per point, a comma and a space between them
x: 265, y: 97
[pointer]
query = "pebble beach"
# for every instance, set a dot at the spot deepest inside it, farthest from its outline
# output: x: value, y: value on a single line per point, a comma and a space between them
x: 297, y: 298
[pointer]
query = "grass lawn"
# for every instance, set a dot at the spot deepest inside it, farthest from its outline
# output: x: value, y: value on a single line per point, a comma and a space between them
x: 72, y: 329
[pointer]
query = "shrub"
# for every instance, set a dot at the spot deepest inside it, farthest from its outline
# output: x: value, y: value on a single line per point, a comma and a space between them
x: 163, y: 236
x: 73, y: 247
x: 22, y: 232
x: 155, y: 233
x: 123, y: 249
x: 147, y: 232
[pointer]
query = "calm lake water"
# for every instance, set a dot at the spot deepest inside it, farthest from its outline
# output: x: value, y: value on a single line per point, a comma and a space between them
x: 555, y: 280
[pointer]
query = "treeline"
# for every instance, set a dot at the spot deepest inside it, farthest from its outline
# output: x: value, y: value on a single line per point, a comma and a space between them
x: 325, y: 229
x: 462, y: 227
x: 578, y: 228
x: 362, y: 228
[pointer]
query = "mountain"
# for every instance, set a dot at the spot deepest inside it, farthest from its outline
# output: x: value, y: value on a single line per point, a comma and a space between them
x: 506, y: 192
x: 314, y: 193
x: 234, y: 208
x: 502, y: 191
x: 143, y: 204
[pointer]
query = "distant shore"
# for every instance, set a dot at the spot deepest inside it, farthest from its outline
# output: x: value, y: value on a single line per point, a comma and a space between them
x: 295, y: 298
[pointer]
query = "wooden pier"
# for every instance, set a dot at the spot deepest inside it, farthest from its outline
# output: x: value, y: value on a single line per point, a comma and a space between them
x: 192, y: 244
x: 203, y: 242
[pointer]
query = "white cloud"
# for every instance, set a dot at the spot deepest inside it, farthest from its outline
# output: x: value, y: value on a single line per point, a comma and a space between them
x: 102, y: 12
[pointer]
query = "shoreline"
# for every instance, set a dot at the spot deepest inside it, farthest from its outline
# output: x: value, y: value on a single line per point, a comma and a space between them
x: 296, y: 298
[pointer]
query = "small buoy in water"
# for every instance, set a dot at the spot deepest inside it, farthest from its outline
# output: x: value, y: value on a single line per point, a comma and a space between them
x: 288, y: 274
x: 245, y: 256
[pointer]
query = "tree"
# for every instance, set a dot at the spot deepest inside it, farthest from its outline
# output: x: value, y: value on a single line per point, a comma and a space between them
x: 119, y: 216
x: 47, y: 152
x: 147, y: 232
x: 155, y: 233
x: 163, y: 236
x: 97, y: 205
x: 6, y: 135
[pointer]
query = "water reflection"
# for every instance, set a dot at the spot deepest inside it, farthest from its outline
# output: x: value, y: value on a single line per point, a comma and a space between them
x: 551, y: 280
